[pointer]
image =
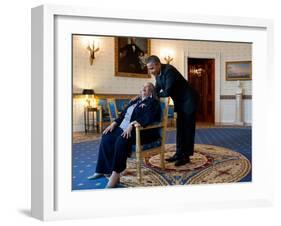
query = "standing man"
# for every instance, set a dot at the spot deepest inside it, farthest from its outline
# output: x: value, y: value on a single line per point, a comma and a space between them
x: 170, y: 83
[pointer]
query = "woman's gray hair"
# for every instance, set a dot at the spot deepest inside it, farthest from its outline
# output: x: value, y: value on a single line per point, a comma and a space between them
x: 153, y: 91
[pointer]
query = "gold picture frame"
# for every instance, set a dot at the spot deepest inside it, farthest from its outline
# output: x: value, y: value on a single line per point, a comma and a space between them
x: 238, y: 70
x: 130, y: 55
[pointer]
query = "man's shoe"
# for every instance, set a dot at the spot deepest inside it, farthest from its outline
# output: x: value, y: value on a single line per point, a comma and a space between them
x: 95, y: 176
x: 182, y: 161
x: 172, y: 159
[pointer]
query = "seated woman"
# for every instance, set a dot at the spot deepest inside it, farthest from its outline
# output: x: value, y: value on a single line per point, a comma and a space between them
x: 119, y: 136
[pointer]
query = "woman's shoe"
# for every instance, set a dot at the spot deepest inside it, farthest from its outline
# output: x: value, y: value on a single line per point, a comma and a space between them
x: 95, y: 176
x: 113, y: 180
x: 111, y: 185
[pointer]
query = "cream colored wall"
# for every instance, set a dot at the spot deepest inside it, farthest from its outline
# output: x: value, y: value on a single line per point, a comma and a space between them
x: 100, y: 76
x: 227, y: 52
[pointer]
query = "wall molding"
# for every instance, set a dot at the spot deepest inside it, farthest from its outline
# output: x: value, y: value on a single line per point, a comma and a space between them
x: 105, y: 95
x: 233, y: 97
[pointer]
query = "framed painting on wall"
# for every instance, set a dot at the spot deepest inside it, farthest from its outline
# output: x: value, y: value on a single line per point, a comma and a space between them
x: 238, y: 70
x: 130, y: 56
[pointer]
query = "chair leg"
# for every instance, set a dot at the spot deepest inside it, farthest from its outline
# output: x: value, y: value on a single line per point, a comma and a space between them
x: 100, y: 129
x: 139, y: 176
x: 162, y: 162
x: 138, y: 154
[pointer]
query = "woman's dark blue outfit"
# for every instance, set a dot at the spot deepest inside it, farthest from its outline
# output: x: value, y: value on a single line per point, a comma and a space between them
x: 114, y: 149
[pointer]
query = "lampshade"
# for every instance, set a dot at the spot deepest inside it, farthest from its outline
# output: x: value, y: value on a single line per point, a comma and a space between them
x: 88, y: 92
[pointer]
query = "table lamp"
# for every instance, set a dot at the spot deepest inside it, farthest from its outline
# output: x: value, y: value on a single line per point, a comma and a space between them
x: 88, y: 92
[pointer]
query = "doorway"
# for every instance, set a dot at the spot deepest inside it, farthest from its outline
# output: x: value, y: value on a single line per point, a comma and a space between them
x: 201, y: 76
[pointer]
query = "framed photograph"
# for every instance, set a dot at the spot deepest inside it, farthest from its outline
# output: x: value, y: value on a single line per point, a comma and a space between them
x: 63, y: 75
x: 130, y: 56
x: 238, y: 70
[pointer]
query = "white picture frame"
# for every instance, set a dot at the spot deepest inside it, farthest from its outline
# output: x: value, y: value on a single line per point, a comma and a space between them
x: 52, y: 197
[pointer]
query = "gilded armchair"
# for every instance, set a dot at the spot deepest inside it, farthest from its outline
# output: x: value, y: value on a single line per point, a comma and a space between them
x: 156, y: 147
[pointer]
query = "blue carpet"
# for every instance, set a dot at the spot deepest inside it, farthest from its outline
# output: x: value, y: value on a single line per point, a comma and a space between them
x: 85, y: 154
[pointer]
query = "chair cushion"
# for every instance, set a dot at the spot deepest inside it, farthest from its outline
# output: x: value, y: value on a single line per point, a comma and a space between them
x: 121, y: 104
x: 105, y: 114
x: 112, y: 109
x: 171, y: 112
x: 105, y: 117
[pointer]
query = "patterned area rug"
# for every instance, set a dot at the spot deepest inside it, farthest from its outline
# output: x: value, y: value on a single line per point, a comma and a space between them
x: 82, y: 136
x: 209, y: 164
x: 222, y: 155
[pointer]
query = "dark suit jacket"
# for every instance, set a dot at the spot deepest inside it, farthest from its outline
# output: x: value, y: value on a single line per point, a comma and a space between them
x: 174, y: 85
x: 149, y: 114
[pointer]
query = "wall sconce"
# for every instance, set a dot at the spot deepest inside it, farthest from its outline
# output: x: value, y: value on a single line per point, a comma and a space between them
x: 168, y: 59
x: 88, y: 92
x: 92, y: 49
x: 167, y: 54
